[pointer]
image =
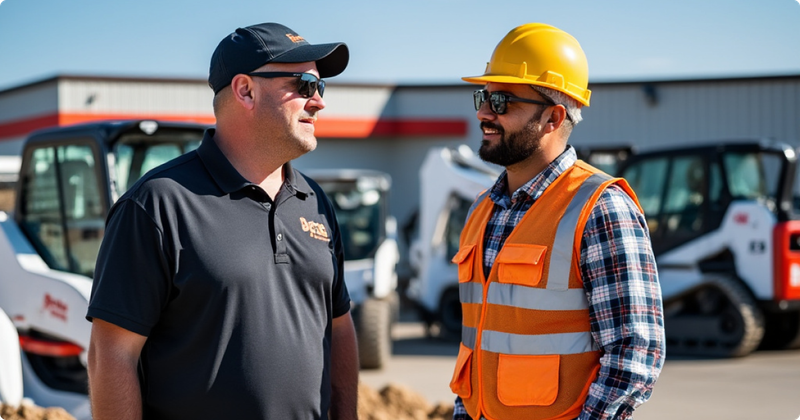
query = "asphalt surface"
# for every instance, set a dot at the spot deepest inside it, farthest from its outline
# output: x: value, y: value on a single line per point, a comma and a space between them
x: 762, y: 386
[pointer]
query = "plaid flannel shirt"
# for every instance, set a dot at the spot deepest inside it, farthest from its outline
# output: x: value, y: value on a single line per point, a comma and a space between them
x: 621, y: 283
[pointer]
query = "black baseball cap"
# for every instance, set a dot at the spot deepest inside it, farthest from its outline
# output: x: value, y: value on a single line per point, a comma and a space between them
x: 249, y: 48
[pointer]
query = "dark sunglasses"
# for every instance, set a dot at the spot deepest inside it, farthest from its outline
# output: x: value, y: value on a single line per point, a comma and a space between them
x: 498, y: 102
x: 307, y: 83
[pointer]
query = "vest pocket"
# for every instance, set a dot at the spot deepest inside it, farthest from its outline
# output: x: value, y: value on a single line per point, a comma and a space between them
x: 527, y: 380
x: 464, y: 258
x: 461, y: 383
x: 521, y: 264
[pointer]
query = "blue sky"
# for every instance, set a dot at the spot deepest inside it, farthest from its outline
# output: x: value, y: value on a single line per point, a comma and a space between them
x: 409, y: 41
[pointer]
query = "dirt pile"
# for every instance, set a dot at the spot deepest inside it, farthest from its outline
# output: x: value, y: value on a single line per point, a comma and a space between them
x: 396, y: 402
x: 393, y: 402
x: 31, y: 412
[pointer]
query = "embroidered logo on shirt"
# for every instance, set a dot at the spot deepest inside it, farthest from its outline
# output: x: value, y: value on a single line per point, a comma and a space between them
x: 314, y: 229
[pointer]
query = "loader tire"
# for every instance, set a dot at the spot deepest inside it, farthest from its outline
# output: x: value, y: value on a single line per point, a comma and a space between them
x: 782, y: 331
x: 721, y: 319
x: 450, y: 315
x: 374, y: 333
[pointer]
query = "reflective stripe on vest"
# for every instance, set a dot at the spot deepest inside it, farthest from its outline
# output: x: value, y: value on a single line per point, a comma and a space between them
x: 528, y: 345
x: 468, y: 336
x: 561, y: 255
x: 524, y: 297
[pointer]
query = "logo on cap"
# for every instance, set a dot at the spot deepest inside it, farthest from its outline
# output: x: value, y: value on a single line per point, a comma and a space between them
x: 295, y: 38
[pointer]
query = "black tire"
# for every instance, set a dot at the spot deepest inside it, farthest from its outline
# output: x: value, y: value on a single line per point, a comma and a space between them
x: 782, y: 331
x: 374, y: 333
x: 450, y: 314
x: 721, y: 319
x: 746, y: 309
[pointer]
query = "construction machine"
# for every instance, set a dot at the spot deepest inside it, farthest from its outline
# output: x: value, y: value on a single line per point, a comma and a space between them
x: 607, y: 158
x: 10, y: 363
x: 725, y: 226
x: 9, y: 170
x: 450, y: 180
x: 369, y: 234
x: 69, y: 177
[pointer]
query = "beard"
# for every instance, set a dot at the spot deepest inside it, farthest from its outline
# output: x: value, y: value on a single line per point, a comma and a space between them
x: 514, y: 147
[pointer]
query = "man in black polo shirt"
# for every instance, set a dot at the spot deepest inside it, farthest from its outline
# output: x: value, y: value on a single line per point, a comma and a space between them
x: 219, y: 289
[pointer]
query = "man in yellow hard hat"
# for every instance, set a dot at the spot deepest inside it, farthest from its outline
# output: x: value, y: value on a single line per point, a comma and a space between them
x: 562, y: 310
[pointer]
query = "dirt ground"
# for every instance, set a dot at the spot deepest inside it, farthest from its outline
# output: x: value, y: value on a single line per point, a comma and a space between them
x: 396, y: 402
x: 393, y: 402
x: 31, y: 412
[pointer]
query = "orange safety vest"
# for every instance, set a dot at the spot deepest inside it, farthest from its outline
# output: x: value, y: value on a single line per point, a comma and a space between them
x: 526, y: 350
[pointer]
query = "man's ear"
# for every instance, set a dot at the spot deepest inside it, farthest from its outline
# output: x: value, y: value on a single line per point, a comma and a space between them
x: 556, y: 118
x: 243, y: 87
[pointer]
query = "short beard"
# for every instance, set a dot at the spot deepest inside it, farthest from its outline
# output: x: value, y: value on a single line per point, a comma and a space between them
x: 519, y: 145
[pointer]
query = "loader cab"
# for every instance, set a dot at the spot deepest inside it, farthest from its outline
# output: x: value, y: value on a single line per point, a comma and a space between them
x: 360, y: 199
x: 70, y: 177
x: 606, y: 158
x: 685, y: 192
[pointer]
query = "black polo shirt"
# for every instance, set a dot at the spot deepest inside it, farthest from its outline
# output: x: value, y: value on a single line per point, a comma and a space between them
x: 235, y: 291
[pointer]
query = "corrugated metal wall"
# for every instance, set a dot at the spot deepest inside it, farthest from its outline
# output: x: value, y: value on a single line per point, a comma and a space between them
x: 33, y: 101
x: 682, y: 113
x: 670, y: 113
x: 641, y: 114
x: 112, y: 96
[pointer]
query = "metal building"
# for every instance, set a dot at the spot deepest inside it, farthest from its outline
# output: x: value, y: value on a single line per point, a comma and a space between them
x: 390, y: 128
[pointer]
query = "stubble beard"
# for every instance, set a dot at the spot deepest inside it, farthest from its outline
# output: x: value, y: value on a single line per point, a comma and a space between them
x: 514, y: 147
x: 288, y: 140
x: 306, y: 142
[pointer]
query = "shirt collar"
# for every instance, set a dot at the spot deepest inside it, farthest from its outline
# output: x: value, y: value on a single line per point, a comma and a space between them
x: 228, y: 179
x: 538, y: 184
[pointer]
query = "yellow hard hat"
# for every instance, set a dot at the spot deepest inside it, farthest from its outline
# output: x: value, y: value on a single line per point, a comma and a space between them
x: 541, y: 55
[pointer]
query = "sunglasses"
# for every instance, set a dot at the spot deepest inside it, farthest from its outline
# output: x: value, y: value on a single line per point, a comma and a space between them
x: 498, y: 102
x: 307, y: 83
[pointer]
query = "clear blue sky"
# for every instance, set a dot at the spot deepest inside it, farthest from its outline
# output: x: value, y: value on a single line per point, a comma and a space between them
x: 407, y: 41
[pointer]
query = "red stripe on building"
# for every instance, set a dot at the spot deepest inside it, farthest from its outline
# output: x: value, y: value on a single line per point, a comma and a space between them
x: 66, y: 118
x: 23, y: 127
x: 326, y: 127
x: 369, y: 127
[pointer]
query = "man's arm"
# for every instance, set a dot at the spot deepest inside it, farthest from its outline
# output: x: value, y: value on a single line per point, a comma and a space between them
x: 113, y: 381
x: 626, y: 314
x: 344, y: 369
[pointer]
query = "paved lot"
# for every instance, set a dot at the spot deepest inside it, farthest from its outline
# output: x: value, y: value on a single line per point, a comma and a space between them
x: 762, y: 386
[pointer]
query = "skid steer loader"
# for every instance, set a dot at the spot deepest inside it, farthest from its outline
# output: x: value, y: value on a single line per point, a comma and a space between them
x: 726, y: 234
x: 69, y: 177
x: 725, y: 225
x: 369, y: 234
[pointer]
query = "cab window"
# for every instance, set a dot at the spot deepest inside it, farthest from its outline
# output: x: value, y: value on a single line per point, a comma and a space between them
x: 63, y: 212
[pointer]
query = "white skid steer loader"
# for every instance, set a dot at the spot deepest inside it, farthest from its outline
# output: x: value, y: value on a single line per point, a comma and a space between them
x: 69, y: 177
x: 725, y: 225
x: 369, y: 234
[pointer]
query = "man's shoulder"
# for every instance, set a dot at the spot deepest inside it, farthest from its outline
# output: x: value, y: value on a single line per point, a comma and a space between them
x: 169, y: 178
x: 166, y: 186
x: 616, y: 197
x: 304, y: 181
x: 615, y: 208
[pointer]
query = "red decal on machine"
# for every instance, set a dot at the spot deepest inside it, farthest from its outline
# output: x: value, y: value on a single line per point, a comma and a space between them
x: 57, y: 308
x: 740, y: 218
